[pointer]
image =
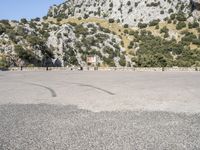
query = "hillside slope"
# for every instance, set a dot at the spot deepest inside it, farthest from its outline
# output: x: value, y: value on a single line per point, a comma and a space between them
x: 129, y: 12
x: 122, y: 33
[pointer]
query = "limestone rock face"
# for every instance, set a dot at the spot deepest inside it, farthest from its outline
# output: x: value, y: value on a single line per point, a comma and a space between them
x: 124, y: 11
x: 65, y: 38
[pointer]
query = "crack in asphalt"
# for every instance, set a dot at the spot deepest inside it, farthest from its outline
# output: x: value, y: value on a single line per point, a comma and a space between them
x: 52, y: 91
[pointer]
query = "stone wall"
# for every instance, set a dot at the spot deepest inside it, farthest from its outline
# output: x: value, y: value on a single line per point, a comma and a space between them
x: 39, y: 69
x: 167, y: 69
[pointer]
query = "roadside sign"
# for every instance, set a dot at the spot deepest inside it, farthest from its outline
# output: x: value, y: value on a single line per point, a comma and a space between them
x: 91, y: 59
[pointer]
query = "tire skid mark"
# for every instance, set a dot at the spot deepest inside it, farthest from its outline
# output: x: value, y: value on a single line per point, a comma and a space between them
x: 93, y: 87
x: 53, y: 93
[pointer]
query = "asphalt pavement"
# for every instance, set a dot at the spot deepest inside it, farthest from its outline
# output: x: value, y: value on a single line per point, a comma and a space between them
x: 99, y: 110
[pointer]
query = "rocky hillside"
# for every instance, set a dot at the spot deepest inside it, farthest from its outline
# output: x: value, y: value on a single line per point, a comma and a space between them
x: 129, y: 12
x: 118, y: 32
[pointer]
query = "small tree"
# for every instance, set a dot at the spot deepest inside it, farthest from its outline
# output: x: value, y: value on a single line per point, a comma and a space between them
x: 111, y: 4
x: 111, y: 20
x: 180, y: 25
x: 2, y: 29
x: 24, y: 21
x: 3, y: 62
x: 142, y: 25
x: 129, y: 3
x: 126, y: 26
x: 59, y: 19
x: 154, y: 22
x: 172, y: 16
x: 181, y: 17
x: 164, y: 30
x: 122, y: 61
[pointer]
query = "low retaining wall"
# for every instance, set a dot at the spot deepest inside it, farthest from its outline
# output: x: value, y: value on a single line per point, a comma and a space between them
x: 147, y: 69
x: 128, y: 69
x: 39, y: 69
x: 174, y: 69
x: 142, y: 69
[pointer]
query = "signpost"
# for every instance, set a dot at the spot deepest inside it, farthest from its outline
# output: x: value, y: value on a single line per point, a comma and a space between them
x: 92, y: 60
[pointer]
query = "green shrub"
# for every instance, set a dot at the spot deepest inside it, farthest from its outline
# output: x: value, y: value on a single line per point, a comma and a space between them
x: 45, y: 17
x: 157, y: 27
x: 169, y: 21
x: 72, y: 24
x: 126, y: 26
x: 130, y: 10
x: 131, y: 44
x: 172, y: 16
x: 131, y: 32
x: 35, y: 40
x: 59, y: 19
x: 2, y: 29
x: 196, y: 41
x: 142, y: 25
x: 170, y: 11
x: 164, y: 30
x: 86, y: 16
x: 59, y: 35
x: 111, y: 20
x: 24, y: 21
x: 181, y: 17
x: 188, y: 38
x: 70, y: 57
x: 122, y: 61
x: 80, y: 29
x: 110, y: 62
x: 153, y: 4
x: 162, y: 12
x: 25, y: 55
x: 154, y: 22
x: 37, y: 19
x: 126, y: 31
x: 3, y: 63
x: 180, y: 25
x: 166, y: 35
x: 128, y: 3
x: 5, y: 22
x: 193, y: 25
x: 136, y: 4
x: 111, y: 4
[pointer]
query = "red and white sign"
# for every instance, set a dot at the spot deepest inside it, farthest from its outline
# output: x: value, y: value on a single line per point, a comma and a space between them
x: 91, y: 59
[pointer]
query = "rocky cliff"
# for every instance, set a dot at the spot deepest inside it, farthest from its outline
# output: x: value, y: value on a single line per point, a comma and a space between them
x: 129, y: 12
x: 118, y: 32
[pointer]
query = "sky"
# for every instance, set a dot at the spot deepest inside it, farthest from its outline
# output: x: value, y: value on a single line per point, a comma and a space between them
x: 17, y: 9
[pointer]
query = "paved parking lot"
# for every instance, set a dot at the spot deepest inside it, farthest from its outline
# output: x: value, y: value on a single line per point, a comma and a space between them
x: 104, y: 91
x: 99, y: 110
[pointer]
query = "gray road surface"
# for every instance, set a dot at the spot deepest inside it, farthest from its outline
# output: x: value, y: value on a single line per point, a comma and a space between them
x: 99, y: 110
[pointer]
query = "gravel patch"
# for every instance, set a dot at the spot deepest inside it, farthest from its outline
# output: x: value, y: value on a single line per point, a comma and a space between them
x: 50, y: 127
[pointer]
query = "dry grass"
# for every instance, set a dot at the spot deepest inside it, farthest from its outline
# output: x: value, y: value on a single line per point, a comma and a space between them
x: 172, y: 28
x: 119, y: 29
